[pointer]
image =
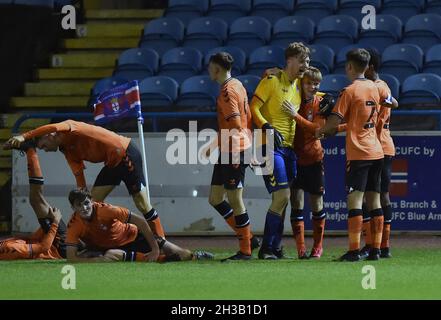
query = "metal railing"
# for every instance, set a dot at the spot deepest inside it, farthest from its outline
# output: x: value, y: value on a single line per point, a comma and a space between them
x: 154, y: 116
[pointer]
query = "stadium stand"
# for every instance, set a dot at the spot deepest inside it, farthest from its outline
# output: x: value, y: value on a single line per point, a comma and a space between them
x: 250, y: 83
x: 433, y: 6
x: 229, y: 10
x: 272, y: 10
x: 158, y: 91
x: 291, y: 29
x: 336, y: 31
x: 352, y: 7
x: 403, y: 9
x: 265, y: 57
x: 322, y: 57
x: 181, y: 63
x: 186, y: 10
x: 421, y: 89
x: 423, y: 30
x: 340, y: 59
x: 137, y: 64
x: 402, y: 60
x: 205, y: 33
x: 432, y: 63
x: 388, y: 31
x: 393, y: 83
x: 198, y: 91
x: 315, y: 9
x: 333, y: 83
x: 238, y: 55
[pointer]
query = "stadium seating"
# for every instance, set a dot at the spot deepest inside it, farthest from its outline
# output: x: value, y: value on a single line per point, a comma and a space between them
x: 198, y: 91
x: 250, y: 83
x: 137, y: 63
x: 393, y: 84
x: 205, y: 33
x: 387, y: 32
x: 265, y: 57
x: 229, y: 10
x: 353, y: 7
x: 106, y: 84
x: 433, y: 6
x: 424, y: 88
x: 315, y: 9
x: 432, y: 63
x: 336, y: 31
x: 292, y: 29
x: 340, y: 59
x: 403, y: 9
x: 402, y: 60
x: 334, y: 83
x: 186, y: 10
x: 162, y: 34
x: 272, y: 10
x: 423, y: 30
x: 322, y: 57
x: 158, y: 91
x: 181, y: 63
x: 238, y: 55
x: 249, y: 33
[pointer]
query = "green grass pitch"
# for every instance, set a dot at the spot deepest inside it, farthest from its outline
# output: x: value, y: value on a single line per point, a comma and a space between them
x: 410, y: 274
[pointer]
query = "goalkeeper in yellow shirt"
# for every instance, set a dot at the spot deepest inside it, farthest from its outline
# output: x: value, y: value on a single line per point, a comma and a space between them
x: 268, y: 115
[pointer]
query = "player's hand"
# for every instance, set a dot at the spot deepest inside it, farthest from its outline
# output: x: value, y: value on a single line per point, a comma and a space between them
x: 278, y: 138
x: 54, y: 214
x: 271, y: 72
x: 152, y: 256
x: 289, y: 108
x: 14, y: 142
x: 318, y: 134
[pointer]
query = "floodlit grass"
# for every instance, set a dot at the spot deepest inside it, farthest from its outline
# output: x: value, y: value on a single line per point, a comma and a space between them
x: 410, y: 274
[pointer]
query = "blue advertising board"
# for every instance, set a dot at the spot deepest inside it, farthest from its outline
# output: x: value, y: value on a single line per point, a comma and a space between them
x: 415, y: 189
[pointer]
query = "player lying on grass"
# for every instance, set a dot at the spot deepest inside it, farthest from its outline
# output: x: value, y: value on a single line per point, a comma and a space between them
x: 359, y: 104
x: 383, y: 133
x: 48, y: 241
x: 266, y: 108
x: 80, y: 142
x: 39, y: 245
x: 104, y: 227
x: 234, y: 140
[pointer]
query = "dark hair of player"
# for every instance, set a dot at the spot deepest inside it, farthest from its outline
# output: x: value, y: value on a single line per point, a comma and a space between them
x: 375, y: 60
x: 359, y: 58
x: 222, y: 59
x: 79, y: 195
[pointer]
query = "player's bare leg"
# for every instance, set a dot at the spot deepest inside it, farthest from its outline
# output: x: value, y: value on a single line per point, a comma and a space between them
x: 149, y: 213
x: 318, y: 224
x: 100, y: 193
x: 387, y: 212
x: 297, y: 222
x: 373, y: 204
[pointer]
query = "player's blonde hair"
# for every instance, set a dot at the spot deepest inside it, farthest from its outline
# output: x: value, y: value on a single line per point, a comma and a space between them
x: 297, y: 49
x: 313, y: 73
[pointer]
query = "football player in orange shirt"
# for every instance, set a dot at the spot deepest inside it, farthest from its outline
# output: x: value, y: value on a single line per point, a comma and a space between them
x: 80, y: 142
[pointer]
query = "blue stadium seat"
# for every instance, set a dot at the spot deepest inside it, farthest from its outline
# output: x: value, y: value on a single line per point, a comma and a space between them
x: 186, y: 10
x: 423, y: 30
x: 315, y: 9
x: 265, y: 57
x: 198, y: 91
x: 272, y: 9
x: 336, y: 31
x: 106, y: 84
x: 229, y: 10
x: 158, y: 91
x: 250, y: 83
x: 403, y: 9
x: 249, y: 33
x: 162, y: 34
x: 334, y: 83
x: 205, y: 33
x: 432, y: 63
x: 423, y: 88
x: 292, y: 29
x: 40, y: 3
x: 433, y: 6
x: 353, y: 8
x: 393, y: 83
x: 322, y: 57
x: 388, y: 31
x: 137, y: 64
x: 340, y: 59
x: 402, y: 60
x: 238, y: 55
x: 181, y: 63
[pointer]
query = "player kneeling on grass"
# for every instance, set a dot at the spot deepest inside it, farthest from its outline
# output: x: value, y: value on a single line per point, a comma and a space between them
x: 310, y: 170
x: 103, y: 227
